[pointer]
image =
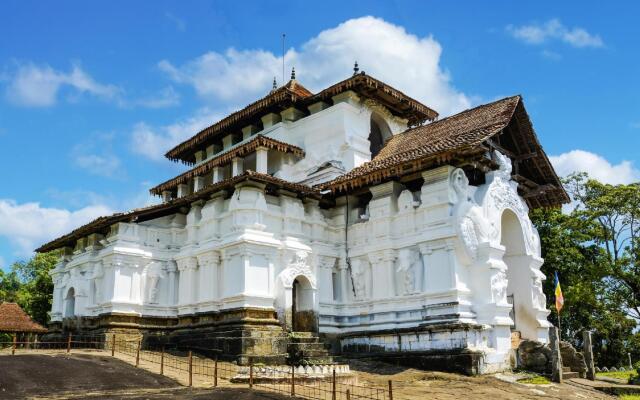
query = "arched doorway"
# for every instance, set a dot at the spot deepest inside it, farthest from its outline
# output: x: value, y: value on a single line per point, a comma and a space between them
x: 519, y: 276
x: 378, y: 135
x: 303, y: 316
x: 70, y: 303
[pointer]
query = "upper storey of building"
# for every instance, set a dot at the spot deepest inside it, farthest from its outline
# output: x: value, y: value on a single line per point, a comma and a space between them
x: 296, y: 135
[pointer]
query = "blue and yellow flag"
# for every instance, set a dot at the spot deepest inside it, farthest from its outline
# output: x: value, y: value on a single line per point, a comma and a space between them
x: 559, y: 296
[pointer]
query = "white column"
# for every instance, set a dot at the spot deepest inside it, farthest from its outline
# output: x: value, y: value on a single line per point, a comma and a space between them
x: 198, y: 183
x: 208, y: 276
x: 217, y: 174
x: 261, y: 160
x: 237, y: 166
x: 171, y: 269
x: 166, y: 196
x: 227, y: 142
x: 183, y: 190
x: 249, y: 130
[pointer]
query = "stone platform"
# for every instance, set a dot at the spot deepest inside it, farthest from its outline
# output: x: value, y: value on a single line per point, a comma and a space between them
x: 282, y: 373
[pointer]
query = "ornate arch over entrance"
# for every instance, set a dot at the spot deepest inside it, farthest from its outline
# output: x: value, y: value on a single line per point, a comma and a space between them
x: 303, y: 315
x: 296, y: 295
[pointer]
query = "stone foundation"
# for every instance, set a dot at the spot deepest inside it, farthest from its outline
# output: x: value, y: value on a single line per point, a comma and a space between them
x: 438, y: 347
x: 234, y: 335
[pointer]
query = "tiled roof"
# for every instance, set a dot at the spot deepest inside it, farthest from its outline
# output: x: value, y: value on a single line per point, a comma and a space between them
x: 226, y: 157
x: 14, y: 319
x: 102, y: 224
x: 442, y: 140
x: 293, y: 93
x: 279, y: 98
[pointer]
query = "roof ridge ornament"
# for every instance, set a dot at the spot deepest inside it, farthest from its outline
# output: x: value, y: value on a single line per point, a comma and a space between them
x: 355, y: 69
x: 293, y: 73
x: 275, y: 84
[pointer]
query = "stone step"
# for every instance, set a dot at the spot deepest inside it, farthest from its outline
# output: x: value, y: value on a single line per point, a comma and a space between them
x: 570, y: 375
x: 295, y: 335
x: 566, y: 369
x: 313, y: 339
x: 307, y: 346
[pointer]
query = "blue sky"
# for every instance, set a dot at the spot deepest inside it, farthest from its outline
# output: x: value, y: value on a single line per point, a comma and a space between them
x: 93, y: 93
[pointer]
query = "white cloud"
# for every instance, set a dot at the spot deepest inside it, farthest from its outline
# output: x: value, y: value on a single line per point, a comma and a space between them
x: 555, y: 30
x: 179, y: 23
x: 96, y: 156
x: 39, y: 86
x: 596, y: 166
x: 386, y: 51
x: 29, y: 225
x: 154, y: 142
x: 167, y: 97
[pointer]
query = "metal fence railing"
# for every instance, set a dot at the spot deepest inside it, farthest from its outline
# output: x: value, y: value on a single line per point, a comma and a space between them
x: 280, y: 379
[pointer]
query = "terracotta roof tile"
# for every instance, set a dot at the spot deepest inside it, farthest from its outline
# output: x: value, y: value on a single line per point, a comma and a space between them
x: 14, y: 319
x: 442, y: 140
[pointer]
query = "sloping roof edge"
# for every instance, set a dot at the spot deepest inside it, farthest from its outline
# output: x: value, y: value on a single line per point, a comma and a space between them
x: 159, y: 210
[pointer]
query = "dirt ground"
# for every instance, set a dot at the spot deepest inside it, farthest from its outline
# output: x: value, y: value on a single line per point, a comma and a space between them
x: 96, y: 375
x: 416, y: 384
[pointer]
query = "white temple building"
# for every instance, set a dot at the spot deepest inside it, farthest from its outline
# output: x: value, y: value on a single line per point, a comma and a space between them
x: 353, y: 213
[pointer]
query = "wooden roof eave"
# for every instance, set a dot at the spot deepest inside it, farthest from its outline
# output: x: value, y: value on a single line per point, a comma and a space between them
x: 226, y: 157
x: 102, y: 224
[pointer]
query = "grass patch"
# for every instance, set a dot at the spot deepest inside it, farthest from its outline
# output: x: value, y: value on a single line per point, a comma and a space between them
x: 630, y: 397
x: 535, y: 380
x: 624, y: 375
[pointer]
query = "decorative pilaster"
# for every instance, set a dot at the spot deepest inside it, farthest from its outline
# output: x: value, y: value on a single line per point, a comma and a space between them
x: 383, y: 274
x: 208, y: 276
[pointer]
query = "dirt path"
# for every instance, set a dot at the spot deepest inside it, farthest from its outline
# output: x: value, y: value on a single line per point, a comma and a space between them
x: 415, y: 384
x: 97, y: 376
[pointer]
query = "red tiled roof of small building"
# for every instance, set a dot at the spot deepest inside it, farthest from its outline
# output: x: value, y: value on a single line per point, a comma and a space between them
x: 13, y: 319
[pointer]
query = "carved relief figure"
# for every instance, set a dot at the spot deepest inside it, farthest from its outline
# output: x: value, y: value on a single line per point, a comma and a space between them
x: 155, y: 272
x: 538, y: 297
x: 360, y: 277
x: 473, y: 226
x: 499, y: 287
x: 410, y: 270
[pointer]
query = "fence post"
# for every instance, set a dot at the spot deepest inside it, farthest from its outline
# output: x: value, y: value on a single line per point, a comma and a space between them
x: 138, y: 353
x: 113, y: 345
x: 13, y: 347
x: 390, y: 390
x: 69, y: 343
x: 250, y: 372
x: 348, y: 395
x: 293, y: 380
x: 333, y: 386
x: 190, y: 369
x: 162, y: 361
x: 215, y: 372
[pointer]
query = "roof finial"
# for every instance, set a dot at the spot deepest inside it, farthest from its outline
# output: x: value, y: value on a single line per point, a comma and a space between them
x: 275, y: 84
x: 355, y: 69
x: 293, y: 73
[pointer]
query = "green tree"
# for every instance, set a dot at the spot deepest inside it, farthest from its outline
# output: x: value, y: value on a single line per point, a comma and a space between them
x: 594, y: 249
x: 36, y: 292
x: 9, y: 286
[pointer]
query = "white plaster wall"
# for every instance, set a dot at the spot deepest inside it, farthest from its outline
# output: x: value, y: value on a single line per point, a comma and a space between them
x: 415, y: 258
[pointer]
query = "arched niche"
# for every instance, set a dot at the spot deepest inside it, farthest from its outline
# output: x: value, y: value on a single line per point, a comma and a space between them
x: 70, y: 303
x: 379, y: 133
x: 304, y: 318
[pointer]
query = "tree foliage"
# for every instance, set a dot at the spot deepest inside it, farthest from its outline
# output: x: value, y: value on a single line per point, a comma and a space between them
x: 594, y: 248
x: 29, y: 284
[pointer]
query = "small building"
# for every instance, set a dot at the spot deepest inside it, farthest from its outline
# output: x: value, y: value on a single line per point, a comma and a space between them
x: 353, y: 214
x: 14, y: 321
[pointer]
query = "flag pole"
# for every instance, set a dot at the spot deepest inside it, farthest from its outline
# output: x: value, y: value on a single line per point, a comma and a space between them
x: 559, y: 327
